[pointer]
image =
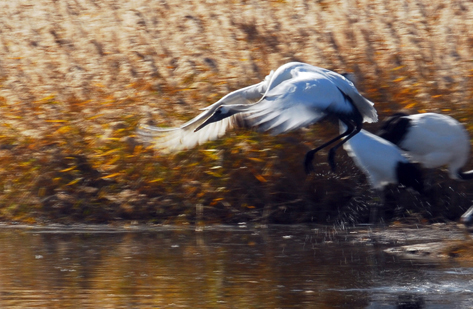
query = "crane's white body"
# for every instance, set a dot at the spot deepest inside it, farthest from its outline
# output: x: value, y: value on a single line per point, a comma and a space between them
x: 376, y: 157
x: 294, y: 96
x: 383, y: 163
x: 435, y: 140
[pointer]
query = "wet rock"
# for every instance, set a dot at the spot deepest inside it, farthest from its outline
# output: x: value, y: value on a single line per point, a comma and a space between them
x: 432, y: 250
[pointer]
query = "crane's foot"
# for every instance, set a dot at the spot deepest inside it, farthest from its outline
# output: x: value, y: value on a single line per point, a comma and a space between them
x: 331, y: 159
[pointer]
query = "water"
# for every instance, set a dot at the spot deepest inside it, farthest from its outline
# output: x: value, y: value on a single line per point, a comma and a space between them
x: 220, y: 267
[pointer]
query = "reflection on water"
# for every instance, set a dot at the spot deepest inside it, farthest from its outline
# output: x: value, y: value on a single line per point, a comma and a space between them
x: 277, y: 267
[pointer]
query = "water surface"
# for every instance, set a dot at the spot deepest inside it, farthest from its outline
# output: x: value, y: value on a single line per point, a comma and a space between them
x: 219, y: 267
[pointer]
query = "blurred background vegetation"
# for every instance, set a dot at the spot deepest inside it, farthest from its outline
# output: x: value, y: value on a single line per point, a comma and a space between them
x: 77, y: 78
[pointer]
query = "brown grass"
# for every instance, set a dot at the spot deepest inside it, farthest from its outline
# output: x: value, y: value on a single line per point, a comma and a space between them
x: 76, y: 77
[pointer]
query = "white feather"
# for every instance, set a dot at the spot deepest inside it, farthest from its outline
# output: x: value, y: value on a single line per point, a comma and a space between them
x: 376, y: 157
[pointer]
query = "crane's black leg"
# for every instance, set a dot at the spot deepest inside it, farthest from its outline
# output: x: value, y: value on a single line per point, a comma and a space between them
x: 309, y: 156
x: 354, y: 123
x: 353, y: 130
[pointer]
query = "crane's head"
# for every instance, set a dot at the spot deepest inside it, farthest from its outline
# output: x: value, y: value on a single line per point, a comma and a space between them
x: 222, y: 112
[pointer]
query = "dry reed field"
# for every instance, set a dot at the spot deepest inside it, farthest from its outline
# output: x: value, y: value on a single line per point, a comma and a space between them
x: 78, y: 76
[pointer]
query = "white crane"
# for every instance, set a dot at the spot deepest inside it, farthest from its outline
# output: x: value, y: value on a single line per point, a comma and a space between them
x: 294, y: 96
x: 432, y: 139
x: 383, y: 163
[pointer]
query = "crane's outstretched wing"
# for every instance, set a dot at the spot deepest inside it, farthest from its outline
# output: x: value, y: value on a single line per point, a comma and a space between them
x: 174, y: 139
